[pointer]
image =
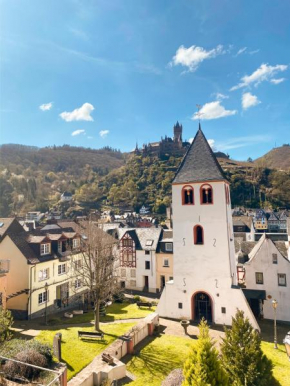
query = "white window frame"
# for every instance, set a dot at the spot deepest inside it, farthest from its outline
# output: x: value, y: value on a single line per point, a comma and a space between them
x: 283, y: 281
x: 44, y: 249
x: 43, y: 274
x: 168, y: 247
x: 42, y: 297
x: 60, y: 270
x: 78, y: 283
x: 261, y: 275
x: 76, y: 243
x: 166, y: 263
x: 275, y: 258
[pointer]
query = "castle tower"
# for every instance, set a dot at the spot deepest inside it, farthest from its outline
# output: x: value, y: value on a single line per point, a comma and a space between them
x: 204, y: 273
x: 177, y: 132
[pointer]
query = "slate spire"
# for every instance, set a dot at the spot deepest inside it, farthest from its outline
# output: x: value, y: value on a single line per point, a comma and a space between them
x: 199, y: 163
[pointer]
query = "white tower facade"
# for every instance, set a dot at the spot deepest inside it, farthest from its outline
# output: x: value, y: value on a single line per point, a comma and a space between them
x: 204, y: 275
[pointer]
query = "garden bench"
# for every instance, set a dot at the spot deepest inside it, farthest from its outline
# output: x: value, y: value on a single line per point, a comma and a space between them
x: 90, y: 334
x: 108, y: 358
x: 144, y: 304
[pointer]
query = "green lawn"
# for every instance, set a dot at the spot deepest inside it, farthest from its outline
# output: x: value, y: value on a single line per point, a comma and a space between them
x: 78, y: 353
x: 117, y: 311
x: 165, y: 353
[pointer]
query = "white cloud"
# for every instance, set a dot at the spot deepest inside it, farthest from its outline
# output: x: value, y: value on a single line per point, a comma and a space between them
x: 81, y: 114
x: 254, y: 52
x: 249, y: 100
x: 104, y: 133
x: 238, y: 142
x: 193, y: 56
x: 46, y: 106
x: 211, y: 143
x: 77, y: 132
x: 241, y: 50
x: 213, y: 110
x: 219, y: 96
x: 263, y: 73
x: 277, y: 81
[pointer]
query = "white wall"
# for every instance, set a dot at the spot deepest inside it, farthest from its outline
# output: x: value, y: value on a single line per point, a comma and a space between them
x: 141, y: 257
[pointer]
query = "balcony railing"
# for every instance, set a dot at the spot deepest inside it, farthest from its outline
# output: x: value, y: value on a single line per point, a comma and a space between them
x: 4, y: 266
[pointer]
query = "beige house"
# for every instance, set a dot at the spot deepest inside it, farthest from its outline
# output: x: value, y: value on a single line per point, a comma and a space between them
x: 4, y: 269
x: 42, y: 276
x: 164, y: 260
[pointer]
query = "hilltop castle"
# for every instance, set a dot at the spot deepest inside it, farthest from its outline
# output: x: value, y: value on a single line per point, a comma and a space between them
x: 170, y: 146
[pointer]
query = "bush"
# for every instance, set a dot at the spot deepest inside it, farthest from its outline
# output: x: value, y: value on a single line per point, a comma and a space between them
x: 12, y: 348
x: 242, y: 356
x: 29, y: 356
x: 119, y: 297
x: 6, y: 321
x: 136, y: 298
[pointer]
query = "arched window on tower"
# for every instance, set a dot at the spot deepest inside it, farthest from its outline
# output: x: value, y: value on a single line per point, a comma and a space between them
x: 198, y: 235
x: 187, y: 195
x: 206, y: 194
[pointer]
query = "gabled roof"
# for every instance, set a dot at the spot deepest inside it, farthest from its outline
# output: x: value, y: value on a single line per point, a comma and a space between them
x: 9, y: 225
x: 199, y: 163
x: 273, y: 217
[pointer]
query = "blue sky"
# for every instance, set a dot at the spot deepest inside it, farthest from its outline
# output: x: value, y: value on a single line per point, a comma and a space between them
x: 98, y: 73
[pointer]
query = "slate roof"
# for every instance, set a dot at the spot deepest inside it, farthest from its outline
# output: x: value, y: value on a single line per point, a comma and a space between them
x: 273, y: 217
x: 20, y: 240
x: 245, y: 246
x: 9, y: 225
x: 141, y: 236
x: 281, y: 246
x: 199, y: 163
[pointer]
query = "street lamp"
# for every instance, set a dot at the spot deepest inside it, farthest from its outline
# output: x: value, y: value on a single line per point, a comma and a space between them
x: 275, y: 304
x: 46, y: 289
x: 286, y: 341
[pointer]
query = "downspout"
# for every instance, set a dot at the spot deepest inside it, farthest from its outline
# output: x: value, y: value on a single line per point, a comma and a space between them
x: 30, y: 290
x: 229, y: 248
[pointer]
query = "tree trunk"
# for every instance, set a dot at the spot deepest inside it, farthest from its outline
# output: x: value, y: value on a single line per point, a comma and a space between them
x: 97, y: 315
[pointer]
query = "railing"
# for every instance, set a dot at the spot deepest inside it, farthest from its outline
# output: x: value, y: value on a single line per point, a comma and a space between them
x: 4, y: 266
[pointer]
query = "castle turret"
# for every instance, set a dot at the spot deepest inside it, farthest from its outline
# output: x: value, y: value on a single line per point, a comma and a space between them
x: 177, y: 132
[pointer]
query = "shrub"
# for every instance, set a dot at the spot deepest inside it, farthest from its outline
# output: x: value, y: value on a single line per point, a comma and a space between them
x: 136, y: 298
x: 29, y: 356
x: 119, y: 297
x: 242, y: 356
x: 6, y: 321
x: 203, y: 366
x: 10, y: 349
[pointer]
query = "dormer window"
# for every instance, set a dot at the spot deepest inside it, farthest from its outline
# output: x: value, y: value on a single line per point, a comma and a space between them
x: 206, y: 194
x: 45, y: 249
x: 76, y: 243
x: 198, y: 235
x: 187, y: 195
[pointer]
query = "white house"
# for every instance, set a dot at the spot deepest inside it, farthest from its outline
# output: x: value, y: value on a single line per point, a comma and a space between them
x: 66, y: 196
x: 138, y: 265
x: 204, y: 272
x: 266, y: 277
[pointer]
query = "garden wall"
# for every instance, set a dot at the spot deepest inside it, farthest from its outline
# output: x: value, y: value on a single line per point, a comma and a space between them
x: 97, y: 371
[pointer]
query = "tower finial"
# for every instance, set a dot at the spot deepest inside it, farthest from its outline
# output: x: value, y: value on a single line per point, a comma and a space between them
x: 199, y: 107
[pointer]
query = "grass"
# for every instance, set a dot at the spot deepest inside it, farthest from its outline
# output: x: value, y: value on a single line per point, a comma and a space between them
x: 161, y: 355
x: 157, y: 359
x: 281, y: 370
x: 116, y: 311
x: 78, y: 353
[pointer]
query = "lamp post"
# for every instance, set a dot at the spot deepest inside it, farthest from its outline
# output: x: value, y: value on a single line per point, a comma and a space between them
x: 46, y: 289
x: 286, y: 341
x: 275, y: 304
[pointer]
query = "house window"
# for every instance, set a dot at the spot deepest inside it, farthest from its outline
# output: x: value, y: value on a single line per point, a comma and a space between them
x: 133, y: 272
x: 127, y: 243
x: 206, y: 194
x: 198, y: 235
x: 78, y: 264
x: 275, y: 258
x: 282, y: 279
x: 43, y: 297
x: 123, y: 272
x: 259, y: 278
x: 132, y: 283
x: 168, y: 247
x: 147, y: 252
x: 61, y: 269
x: 187, y: 195
x: 170, y: 277
x: 78, y: 283
x: 179, y: 305
x: 223, y: 310
x: 45, y: 249
x: 166, y: 263
x: 43, y: 274
x: 76, y: 243
x: 147, y: 264
x: 149, y: 243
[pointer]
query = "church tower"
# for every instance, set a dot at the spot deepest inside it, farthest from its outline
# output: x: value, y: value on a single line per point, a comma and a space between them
x: 177, y: 132
x: 204, y: 274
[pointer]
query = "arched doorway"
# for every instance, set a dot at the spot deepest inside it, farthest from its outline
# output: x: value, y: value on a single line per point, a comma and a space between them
x: 202, y: 307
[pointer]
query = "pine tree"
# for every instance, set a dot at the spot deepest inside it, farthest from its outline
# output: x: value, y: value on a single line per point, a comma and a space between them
x: 242, y: 356
x: 203, y: 367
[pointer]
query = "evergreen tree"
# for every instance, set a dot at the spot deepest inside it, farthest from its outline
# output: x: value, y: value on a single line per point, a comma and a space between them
x: 242, y: 356
x: 203, y: 367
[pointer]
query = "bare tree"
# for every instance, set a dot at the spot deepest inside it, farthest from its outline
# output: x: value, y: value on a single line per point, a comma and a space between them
x: 96, y: 266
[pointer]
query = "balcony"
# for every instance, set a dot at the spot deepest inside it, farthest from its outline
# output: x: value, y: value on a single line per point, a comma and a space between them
x: 4, y: 266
